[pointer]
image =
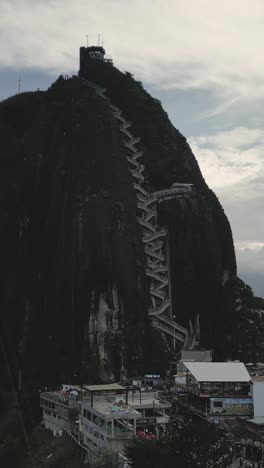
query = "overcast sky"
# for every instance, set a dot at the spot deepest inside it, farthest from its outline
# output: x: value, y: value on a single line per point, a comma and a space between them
x: 202, y: 58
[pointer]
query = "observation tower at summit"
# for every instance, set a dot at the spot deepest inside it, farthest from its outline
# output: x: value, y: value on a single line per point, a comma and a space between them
x: 92, y: 54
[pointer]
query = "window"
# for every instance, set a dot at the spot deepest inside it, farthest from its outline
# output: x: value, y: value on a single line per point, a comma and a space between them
x: 96, y: 420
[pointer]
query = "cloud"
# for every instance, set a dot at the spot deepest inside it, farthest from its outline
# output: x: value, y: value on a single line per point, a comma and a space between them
x: 251, y: 265
x: 232, y: 162
x: 180, y: 44
x: 230, y: 158
x: 249, y: 246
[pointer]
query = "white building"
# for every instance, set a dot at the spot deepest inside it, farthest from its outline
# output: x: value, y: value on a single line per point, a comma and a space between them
x: 100, y: 416
x: 106, y: 419
x: 60, y: 408
x: 216, y: 389
x: 111, y: 416
x: 258, y: 399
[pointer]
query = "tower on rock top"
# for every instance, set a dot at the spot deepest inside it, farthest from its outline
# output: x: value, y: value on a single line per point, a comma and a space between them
x: 90, y: 55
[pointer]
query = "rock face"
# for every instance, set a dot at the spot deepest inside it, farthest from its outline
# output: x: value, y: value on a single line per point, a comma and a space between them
x: 75, y: 294
x: 72, y: 261
x: 201, y: 244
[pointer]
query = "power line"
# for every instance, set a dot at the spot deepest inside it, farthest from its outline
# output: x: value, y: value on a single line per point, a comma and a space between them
x: 35, y: 427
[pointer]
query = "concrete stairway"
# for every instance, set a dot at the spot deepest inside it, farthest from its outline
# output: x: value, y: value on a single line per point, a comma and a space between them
x: 155, y: 238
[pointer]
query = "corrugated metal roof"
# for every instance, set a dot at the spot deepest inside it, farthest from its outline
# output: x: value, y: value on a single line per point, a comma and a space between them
x: 104, y: 387
x: 218, y: 371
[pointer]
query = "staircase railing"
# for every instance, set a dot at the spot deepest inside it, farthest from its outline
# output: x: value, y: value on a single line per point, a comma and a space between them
x: 155, y: 238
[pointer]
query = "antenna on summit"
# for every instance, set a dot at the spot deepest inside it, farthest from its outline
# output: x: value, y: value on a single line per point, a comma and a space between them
x: 19, y: 84
x: 87, y: 40
x: 98, y: 39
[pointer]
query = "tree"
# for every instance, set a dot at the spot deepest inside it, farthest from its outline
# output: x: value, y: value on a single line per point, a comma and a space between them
x: 188, y: 444
x: 151, y: 454
x: 107, y: 459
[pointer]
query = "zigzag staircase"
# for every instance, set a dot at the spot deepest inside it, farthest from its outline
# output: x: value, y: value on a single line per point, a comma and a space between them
x: 155, y: 238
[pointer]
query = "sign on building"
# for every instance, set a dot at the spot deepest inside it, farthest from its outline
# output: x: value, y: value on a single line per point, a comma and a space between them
x: 231, y: 406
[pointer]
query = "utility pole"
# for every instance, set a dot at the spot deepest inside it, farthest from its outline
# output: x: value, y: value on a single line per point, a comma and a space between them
x: 87, y: 40
x: 19, y: 381
x: 169, y: 274
x: 19, y: 84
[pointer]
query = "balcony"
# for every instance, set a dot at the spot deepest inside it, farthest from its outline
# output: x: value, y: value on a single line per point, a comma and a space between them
x: 119, y: 430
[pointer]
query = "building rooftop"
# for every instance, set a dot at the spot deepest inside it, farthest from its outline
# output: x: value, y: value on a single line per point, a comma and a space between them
x: 218, y: 371
x: 55, y: 395
x: 95, y: 48
x: 104, y: 388
x: 115, y: 410
x: 111, y: 408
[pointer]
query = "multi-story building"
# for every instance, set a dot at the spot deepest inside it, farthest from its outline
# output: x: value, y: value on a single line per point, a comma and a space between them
x: 111, y: 418
x: 105, y: 418
x: 100, y: 416
x: 60, y: 408
x: 153, y: 411
x: 216, y: 389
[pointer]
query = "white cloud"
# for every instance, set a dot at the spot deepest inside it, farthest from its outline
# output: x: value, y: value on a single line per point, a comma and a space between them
x: 249, y: 245
x: 232, y: 163
x: 237, y: 138
x: 232, y: 157
x: 251, y: 265
x: 251, y: 258
x: 190, y: 44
